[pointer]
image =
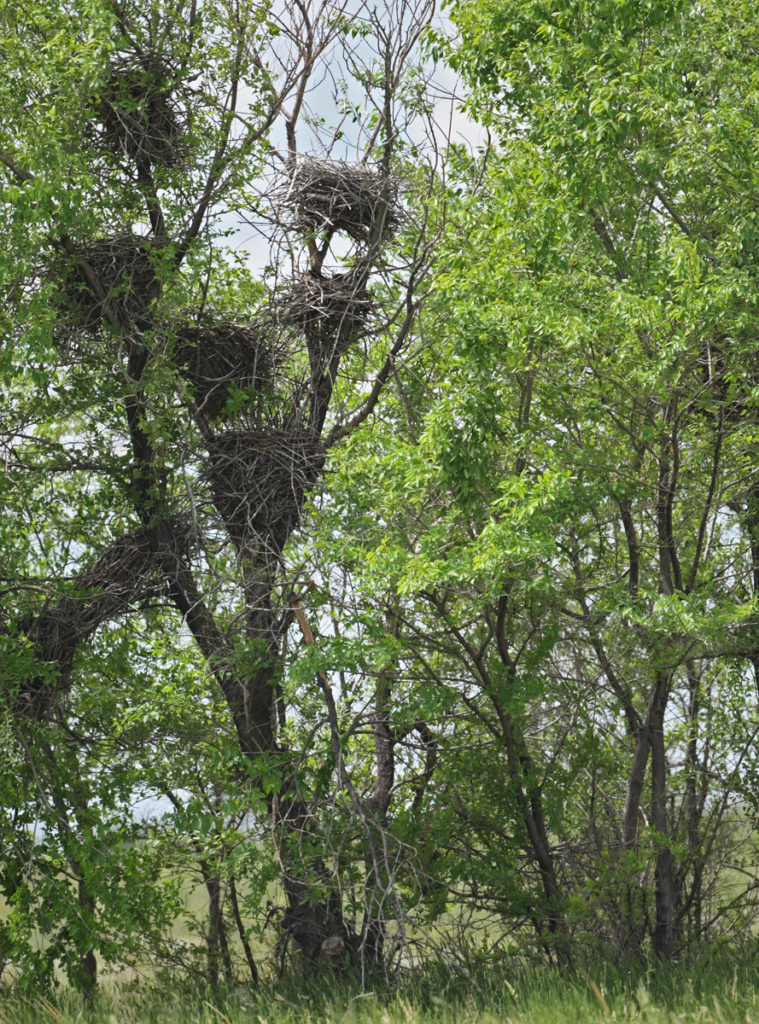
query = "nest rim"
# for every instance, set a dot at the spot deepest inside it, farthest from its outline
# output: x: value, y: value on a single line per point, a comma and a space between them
x: 260, y: 475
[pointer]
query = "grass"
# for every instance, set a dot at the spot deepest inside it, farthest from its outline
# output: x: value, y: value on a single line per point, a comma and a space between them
x: 718, y: 991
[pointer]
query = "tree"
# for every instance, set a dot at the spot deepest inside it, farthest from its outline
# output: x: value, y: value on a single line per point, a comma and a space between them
x: 570, y: 497
x: 167, y: 414
x: 482, y: 650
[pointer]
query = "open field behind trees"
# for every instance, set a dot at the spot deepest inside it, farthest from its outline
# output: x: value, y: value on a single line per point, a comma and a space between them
x: 413, y: 576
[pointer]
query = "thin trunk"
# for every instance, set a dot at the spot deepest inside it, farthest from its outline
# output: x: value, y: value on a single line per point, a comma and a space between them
x: 530, y: 802
x: 241, y: 932
x: 692, y: 905
x: 86, y: 975
x: 216, y: 938
x: 657, y: 708
x: 378, y: 877
x: 751, y: 523
x: 663, y: 938
x: 526, y: 789
x: 650, y: 733
x: 88, y: 967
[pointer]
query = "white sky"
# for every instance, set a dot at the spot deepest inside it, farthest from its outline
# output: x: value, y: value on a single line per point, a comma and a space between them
x: 317, y: 128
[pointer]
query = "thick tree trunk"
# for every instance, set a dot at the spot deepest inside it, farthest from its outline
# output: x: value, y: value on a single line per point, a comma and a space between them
x: 88, y: 968
x: 314, y: 918
x: 259, y: 475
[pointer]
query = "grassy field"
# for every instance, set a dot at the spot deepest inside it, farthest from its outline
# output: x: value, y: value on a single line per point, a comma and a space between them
x: 720, y: 991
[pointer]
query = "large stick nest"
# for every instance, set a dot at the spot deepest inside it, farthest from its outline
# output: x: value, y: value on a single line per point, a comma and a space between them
x: 259, y: 479
x: 138, y: 114
x: 218, y: 356
x: 331, y: 311
x: 327, y: 195
x: 126, y: 573
x: 125, y: 281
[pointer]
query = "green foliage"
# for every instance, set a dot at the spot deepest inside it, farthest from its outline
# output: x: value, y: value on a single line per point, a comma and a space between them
x: 481, y: 675
x: 561, y: 519
x: 445, y: 992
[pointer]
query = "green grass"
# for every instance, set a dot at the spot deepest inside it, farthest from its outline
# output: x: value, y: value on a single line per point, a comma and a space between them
x: 717, y: 991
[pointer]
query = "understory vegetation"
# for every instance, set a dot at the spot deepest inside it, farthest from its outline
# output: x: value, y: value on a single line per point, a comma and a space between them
x: 379, y: 510
x: 720, y: 991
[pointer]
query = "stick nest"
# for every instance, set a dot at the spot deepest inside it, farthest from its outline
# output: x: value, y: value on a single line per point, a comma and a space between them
x: 331, y: 311
x: 107, y: 274
x: 125, y: 574
x: 218, y: 356
x: 138, y: 113
x: 260, y: 477
x: 327, y: 195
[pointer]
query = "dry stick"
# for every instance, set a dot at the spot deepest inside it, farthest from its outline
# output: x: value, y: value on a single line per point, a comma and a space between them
x: 309, y: 51
x: 308, y: 59
x: 222, y: 158
x: 392, y: 76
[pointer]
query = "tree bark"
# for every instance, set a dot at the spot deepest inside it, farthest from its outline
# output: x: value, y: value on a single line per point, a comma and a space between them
x: 663, y: 937
x: 217, y: 944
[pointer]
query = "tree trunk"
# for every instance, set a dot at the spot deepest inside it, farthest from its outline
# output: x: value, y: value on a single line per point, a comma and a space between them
x: 663, y: 938
x: 87, y: 980
x: 217, y: 943
x: 314, y: 916
x: 254, y: 979
x: 530, y: 802
x: 373, y: 929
